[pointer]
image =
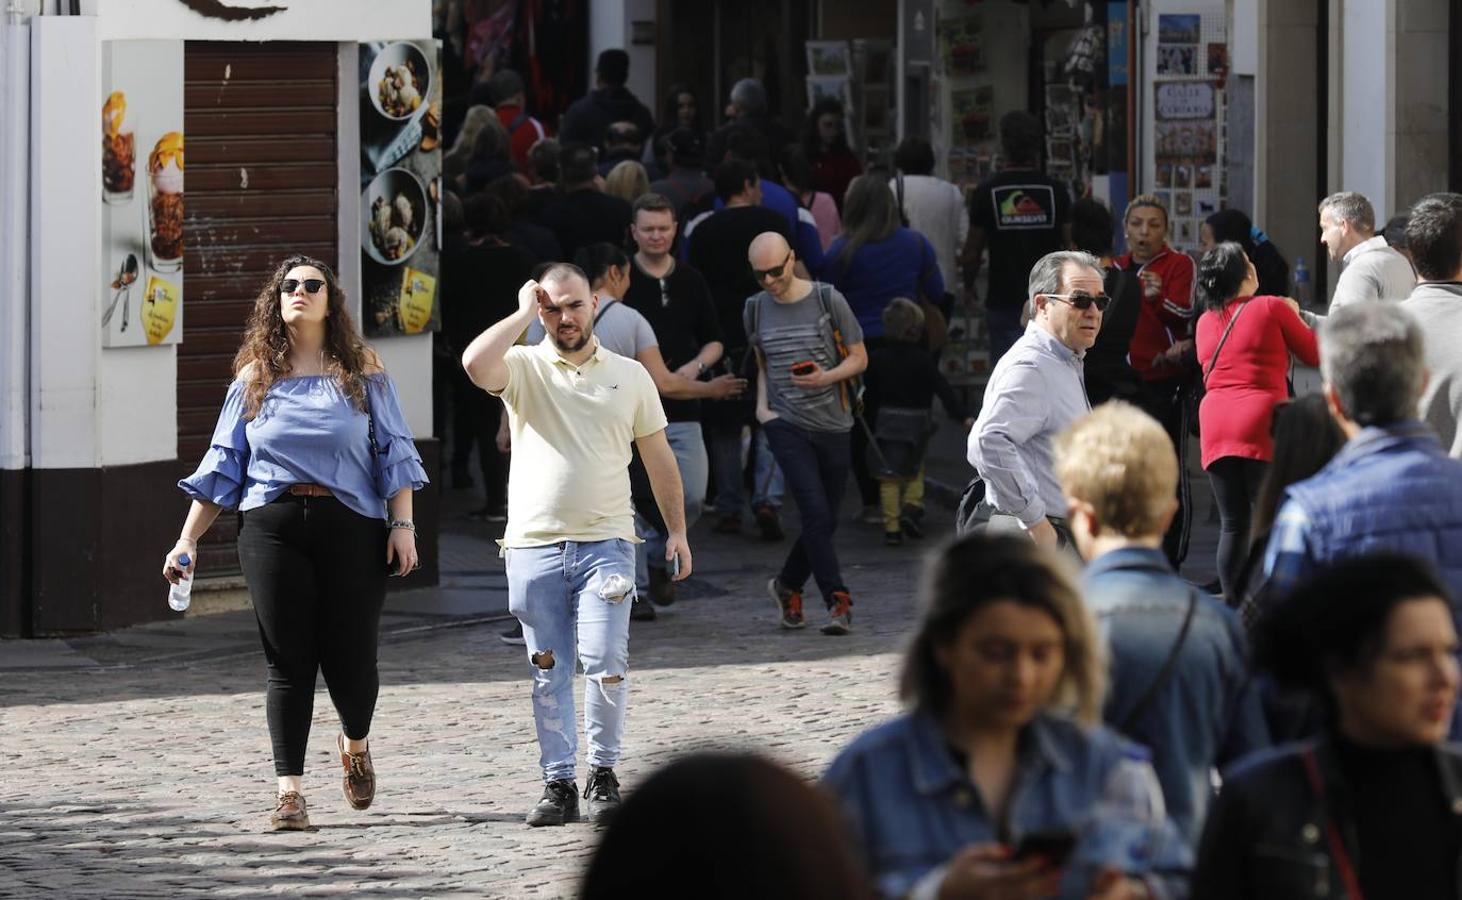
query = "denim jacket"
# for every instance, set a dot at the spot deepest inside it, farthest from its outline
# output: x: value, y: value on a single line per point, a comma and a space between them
x: 1208, y: 713
x: 914, y: 807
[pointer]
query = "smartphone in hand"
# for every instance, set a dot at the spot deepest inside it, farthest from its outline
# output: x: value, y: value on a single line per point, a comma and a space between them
x: 675, y: 566
x: 806, y: 367
x: 1054, y: 847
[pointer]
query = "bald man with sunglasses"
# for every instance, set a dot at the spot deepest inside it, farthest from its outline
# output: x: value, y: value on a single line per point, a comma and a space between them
x: 1038, y: 388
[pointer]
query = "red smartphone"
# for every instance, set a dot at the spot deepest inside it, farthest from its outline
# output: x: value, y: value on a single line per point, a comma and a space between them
x: 807, y: 367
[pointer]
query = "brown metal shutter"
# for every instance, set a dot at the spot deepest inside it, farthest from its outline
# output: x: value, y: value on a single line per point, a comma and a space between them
x: 259, y: 120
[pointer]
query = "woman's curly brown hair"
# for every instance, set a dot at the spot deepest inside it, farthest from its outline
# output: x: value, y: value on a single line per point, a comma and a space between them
x: 265, y: 351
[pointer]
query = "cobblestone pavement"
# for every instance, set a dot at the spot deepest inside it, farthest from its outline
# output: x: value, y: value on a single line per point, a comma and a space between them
x: 137, y: 763
x: 154, y: 779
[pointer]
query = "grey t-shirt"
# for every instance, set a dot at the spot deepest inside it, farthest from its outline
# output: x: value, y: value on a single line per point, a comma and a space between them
x: 620, y: 329
x: 790, y: 333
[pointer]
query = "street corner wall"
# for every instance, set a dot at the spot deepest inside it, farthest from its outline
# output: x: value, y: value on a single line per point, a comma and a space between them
x: 103, y: 439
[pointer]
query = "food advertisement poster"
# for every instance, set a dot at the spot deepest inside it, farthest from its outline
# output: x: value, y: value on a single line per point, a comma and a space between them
x: 142, y: 193
x: 401, y: 167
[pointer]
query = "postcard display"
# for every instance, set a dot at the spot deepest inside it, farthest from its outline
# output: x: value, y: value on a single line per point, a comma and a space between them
x: 400, y: 202
x: 858, y: 73
x: 142, y: 193
x: 979, y: 74
x: 1187, y: 71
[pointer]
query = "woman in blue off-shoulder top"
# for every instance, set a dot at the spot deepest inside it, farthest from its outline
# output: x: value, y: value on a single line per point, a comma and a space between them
x: 312, y: 448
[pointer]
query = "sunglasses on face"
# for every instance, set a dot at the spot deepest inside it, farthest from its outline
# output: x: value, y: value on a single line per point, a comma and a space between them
x: 763, y: 274
x: 1081, y: 300
x: 312, y: 285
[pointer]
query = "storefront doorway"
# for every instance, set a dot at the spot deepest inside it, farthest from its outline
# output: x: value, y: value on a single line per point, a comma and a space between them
x: 262, y: 182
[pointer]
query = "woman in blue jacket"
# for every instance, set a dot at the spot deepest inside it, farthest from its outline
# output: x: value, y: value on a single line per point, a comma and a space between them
x: 998, y: 778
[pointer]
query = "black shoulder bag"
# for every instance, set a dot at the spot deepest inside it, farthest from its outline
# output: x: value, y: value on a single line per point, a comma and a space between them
x: 1165, y: 674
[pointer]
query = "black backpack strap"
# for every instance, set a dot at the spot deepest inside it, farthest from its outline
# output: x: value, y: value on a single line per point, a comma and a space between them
x: 1165, y: 674
x: 603, y: 311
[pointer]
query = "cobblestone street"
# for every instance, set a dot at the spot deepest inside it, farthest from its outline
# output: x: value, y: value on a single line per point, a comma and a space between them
x: 155, y: 779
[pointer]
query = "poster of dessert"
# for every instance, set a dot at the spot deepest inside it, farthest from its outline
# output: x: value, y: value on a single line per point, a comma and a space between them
x: 400, y: 168
x: 142, y: 164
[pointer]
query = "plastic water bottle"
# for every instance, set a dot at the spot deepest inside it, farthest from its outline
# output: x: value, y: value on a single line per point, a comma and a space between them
x: 1125, y: 830
x: 1302, y: 283
x: 181, y: 594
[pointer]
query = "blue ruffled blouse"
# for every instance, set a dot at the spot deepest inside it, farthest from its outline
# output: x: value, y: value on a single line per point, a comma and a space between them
x: 308, y: 432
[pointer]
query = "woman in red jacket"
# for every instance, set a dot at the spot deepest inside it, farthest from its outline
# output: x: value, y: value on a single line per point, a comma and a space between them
x: 1244, y: 345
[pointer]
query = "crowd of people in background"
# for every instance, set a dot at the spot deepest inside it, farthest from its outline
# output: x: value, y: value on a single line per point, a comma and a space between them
x: 791, y: 308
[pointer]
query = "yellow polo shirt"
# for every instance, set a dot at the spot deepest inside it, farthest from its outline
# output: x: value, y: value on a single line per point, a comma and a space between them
x: 572, y: 427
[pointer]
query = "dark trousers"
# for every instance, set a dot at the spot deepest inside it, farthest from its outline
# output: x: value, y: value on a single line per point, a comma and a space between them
x: 1163, y: 401
x: 1235, y: 483
x: 1003, y: 325
x: 316, y: 571
x: 475, y: 420
x: 815, y: 464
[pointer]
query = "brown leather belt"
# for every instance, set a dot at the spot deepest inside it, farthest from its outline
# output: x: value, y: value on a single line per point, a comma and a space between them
x: 310, y: 490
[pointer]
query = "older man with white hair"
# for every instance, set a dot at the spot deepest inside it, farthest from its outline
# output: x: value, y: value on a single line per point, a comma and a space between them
x: 1036, y: 391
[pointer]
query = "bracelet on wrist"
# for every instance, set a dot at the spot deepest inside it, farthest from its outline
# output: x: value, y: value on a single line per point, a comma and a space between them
x: 403, y: 524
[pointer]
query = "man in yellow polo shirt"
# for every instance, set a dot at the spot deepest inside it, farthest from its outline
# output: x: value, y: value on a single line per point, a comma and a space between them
x: 573, y: 408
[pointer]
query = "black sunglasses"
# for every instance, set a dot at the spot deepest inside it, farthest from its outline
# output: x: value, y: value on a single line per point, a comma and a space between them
x: 312, y: 285
x: 761, y: 274
x: 1083, y: 301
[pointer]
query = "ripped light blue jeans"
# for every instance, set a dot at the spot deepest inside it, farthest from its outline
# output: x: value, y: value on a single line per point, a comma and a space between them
x: 574, y: 600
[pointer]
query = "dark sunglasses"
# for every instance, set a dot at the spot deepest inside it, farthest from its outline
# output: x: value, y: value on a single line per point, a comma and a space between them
x: 1083, y: 301
x: 312, y: 285
x: 763, y: 274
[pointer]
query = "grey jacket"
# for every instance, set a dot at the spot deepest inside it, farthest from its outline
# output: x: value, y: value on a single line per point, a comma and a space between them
x: 1373, y: 271
x: 1438, y: 307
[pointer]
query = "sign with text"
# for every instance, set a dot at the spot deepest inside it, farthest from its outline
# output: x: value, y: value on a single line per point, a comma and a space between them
x: 1185, y: 100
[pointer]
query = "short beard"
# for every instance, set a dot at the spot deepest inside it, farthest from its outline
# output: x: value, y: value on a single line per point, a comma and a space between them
x: 584, y: 336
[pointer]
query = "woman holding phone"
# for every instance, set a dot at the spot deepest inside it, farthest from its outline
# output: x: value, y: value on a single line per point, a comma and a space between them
x: 998, y: 781
x: 312, y: 448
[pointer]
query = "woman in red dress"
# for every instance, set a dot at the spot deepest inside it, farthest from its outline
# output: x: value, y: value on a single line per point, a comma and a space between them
x: 1244, y: 347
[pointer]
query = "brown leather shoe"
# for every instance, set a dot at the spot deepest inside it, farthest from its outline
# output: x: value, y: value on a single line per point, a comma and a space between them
x: 290, y: 813
x: 360, y: 775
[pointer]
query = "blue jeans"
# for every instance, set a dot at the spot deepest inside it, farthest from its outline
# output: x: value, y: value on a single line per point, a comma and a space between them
x: 1003, y: 324
x: 816, y: 464
x: 689, y: 448
x: 575, y: 610
x: 727, y: 454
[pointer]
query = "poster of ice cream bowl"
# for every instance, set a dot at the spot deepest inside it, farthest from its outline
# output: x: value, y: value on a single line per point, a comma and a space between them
x: 119, y: 150
x: 165, y: 203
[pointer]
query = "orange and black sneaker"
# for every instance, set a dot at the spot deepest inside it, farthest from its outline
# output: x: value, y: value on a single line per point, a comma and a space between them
x: 840, y: 614
x: 789, y: 604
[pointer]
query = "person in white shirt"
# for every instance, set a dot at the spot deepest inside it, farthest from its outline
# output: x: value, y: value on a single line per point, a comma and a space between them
x: 1373, y: 270
x: 931, y: 206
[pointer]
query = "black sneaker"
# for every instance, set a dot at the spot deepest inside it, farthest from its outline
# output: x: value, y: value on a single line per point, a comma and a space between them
x: 911, y: 520
x: 769, y: 523
x: 662, y: 589
x: 560, y: 804
x: 602, y: 792
x: 893, y: 538
x: 641, y: 610
x: 514, y: 636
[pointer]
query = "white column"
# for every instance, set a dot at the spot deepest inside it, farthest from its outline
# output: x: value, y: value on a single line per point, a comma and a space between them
x: 14, y: 243
x: 1368, y: 117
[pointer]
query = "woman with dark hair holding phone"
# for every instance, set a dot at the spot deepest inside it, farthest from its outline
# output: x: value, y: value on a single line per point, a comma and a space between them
x: 1244, y: 345
x: 1373, y: 806
x: 312, y: 448
x: 998, y: 781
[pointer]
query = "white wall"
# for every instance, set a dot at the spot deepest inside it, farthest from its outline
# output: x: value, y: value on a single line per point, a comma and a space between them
x: 1368, y: 118
x: 302, y: 20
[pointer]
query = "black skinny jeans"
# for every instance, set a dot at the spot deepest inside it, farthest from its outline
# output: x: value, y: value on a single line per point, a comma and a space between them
x: 1236, y: 483
x: 317, y: 575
